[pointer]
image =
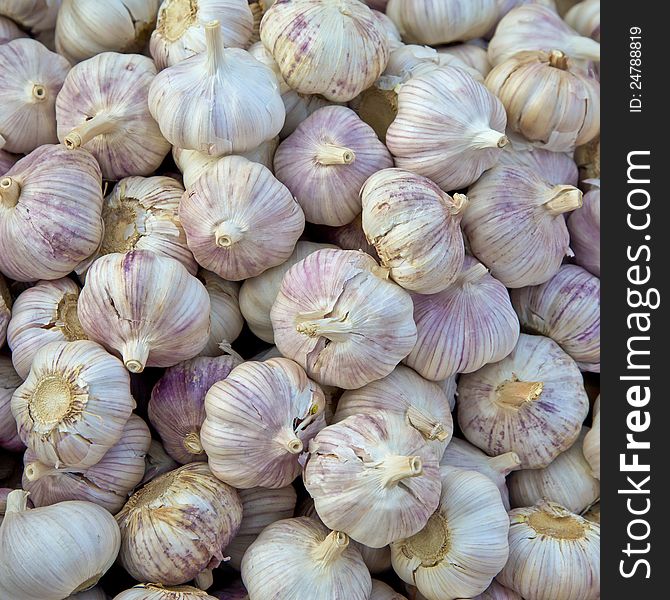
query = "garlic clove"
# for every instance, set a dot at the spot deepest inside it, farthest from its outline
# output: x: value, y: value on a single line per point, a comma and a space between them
x: 584, y: 228
x: 155, y: 591
x: 226, y: 321
x: 9, y: 382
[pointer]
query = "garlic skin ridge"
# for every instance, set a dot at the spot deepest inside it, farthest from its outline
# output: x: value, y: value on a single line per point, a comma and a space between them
x: 9, y: 382
x: 225, y: 319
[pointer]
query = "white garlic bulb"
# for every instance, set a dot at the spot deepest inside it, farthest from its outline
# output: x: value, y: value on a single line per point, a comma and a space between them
x: 532, y: 402
x: 180, y: 27
x: 341, y: 319
x: 103, y: 107
x: 74, y: 543
x: 449, y: 128
x: 266, y: 412
x: 471, y: 54
x: 9, y: 31
x: 381, y: 591
x: 145, y: 308
x: 557, y: 168
x: 584, y: 228
x: 448, y: 386
x: 225, y: 319
x: 584, y: 17
x: 591, y: 444
x: 155, y: 591
x: 468, y: 529
x: 410, y: 60
x: 389, y: 26
x: 5, y: 310
x: 30, y: 78
x: 9, y: 381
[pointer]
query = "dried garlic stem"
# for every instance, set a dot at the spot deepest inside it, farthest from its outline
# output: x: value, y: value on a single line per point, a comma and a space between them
x: 331, y: 548
x: 227, y: 234
x: 192, y: 444
x: 558, y: 60
x: 85, y: 132
x: 215, y: 47
x: 565, y: 198
x: 35, y: 470
x: 473, y: 274
x: 331, y: 154
x: 135, y: 354
x: 10, y: 190
x: 17, y: 501
x: 288, y: 440
x: 427, y: 425
x: 516, y: 393
x: 488, y: 138
x: 335, y: 329
x: 505, y: 463
x: 39, y: 93
x: 397, y: 468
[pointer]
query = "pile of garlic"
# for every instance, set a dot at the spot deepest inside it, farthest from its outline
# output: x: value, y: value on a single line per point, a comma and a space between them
x: 298, y: 299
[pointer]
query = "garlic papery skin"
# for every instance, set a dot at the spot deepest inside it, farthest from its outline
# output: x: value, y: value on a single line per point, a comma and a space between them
x: 226, y: 321
x: 381, y: 591
x: 239, y: 220
x: 155, y: 591
x: 449, y: 128
x: 180, y: 28
x: 471, y: 54
x: 5, y: 310
x: 533, y: 403
x: 338, y: 316
x: 567, y: 480
x: 468, y: 529
x: 74, y: 543
x: 9, y: 381
x: 326, y: 160
x: 107, y: 483
x: 157, y: 462
x: 464, y: 327
x: 349, y: 237
x: 584, y: 17
x: 266, y: 412
x: 46, y: 312
x: 177, y: 405
x: 9, y: 31
x: 591, y: 443
x: 549, y: 103
x: 372, y: 477
x: 463, y: 455
x: 74, y: 405
x: 389, y: 26
x: 30, y: 78
x: 543, y: 536
x: 103, y: 107
x: 410, y: 60
x: 584, y: 228
x: 515, y: 225
x: 352, y: 58
x: 299, y: 558
x: 448, y: 386
x: 145, y: 308
x: 420, y: 403
x: 258, y: 294
x: 176, y: 526
x: 219, y: 102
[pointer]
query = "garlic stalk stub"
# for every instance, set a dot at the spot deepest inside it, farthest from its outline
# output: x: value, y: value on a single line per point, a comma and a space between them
x: 5, y: 310
x: 226, y: 321
x: 155, y: 591
x: 591, y: 444
x: 9, y: 381
x: 584, y: 228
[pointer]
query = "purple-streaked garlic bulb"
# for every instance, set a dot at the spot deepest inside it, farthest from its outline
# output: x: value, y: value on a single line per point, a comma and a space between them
x: 410, y: 60
x: 145, y: 308
x: 584, y: 17
x: 5, y: 310
x: 533, y: 403
x: 107, y: 483
x: 348, y: 237
x: 74, y: 405
x: 177, y: 404
x: 515, y: 224
x: 420, y: 403
x: 466, y: 326
x: 591, y: 443
x: 103, y: 108
x: 50, y: 207
x: 448, y: 386
x: 9, y: 31
x: 226, y: 321
x: 471, y: 54
x: 567, y: 309
x: 156, y: 591
x: 449, y: 128
x: 415, y: 229
x: 340, y: 318
x: 326, y: 160
x: 557, y: 168
x: 9, y: 381
x: 373, y: 477
x: 259, y: 422
x: 584, y: 228
x: 239, y: 220
x: 30, y: 78
x: 381, y: 591
x: 157, y: 462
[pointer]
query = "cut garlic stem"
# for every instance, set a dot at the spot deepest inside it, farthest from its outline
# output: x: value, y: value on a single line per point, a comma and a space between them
x: 35, y: 470
x: 332, y: 154
x: 488, y: 138
x: 335, y: 329
x: 215, y: 47
x: 459, y: 204
x: 516, y: 393
x: 84, y: 133
x: 505, y: 463
x: 558, y: 60
x: 288, y: 439
x: 331, y: 548
x: 397, y: 468
x: 473, y: 274
x: 565, y: 198
x: 228, y: 233
x: 17, y: 501
x: 427, y: 425
x: 135, y: 354
x: 193, y: 445
x: 10, y: 190
x: 39, y: 92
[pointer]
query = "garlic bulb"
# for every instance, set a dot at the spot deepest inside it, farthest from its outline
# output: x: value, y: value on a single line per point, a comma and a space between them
x: 157, y: 462
x: 339, y: 317
x: 557, y: 168
x: 180, y: 28
x: 106, y: 483
x: 585, y: 18
x: 591, y: 443
x: 74, y: 404
x: 7, y: 160
x: 469, y: 529
x: 548, y: 102
x: 263, y: 412
x: 103, y: 107
x: 584, y: 228
x: 326, y: 160
x: 410, y: 60
x: 155, y: 591
x: 5, y: 310
x: 372, y: 477
x: 259, y: 293
x: 515, y: 224
x: 532, y: 402
x: 34, y: 15
x: 448, y: 386
x: 471, y: 54
x: 177, y: 405
x: 389, y: 26
x: 354, y: 56
x: 9, y: 31
x: 226, y: 321
x: 448, y: 128
x: 438, y: 22
x: 9, y: 381
x: 348, y: 237
x: 145, y: 308
x: 379, y: 5
x: 463, y: 455
x: 420, y: 403
x: 74, y: 543
x: 218, y: 102
x: 546, y: 535
x: 176, y: 526
x: 320, y: 564
x: 30, y: 78
x: 239, y: 220
x: 381, y: 591
x: 464, y: 327
x: 46, y: 312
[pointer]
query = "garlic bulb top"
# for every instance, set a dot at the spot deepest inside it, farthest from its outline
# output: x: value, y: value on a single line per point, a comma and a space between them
x: 584, y: 228
x: 30, y: 78
x: 74, y: 543
x: 326, y: 160
x: 449, y: 128
x: 557, y: 168
x: 146, y: 308
x: 226, y: 321
x: 239, y: 219
x: 9, y: 381
x: 381, y: 591
x: 259, y: 421
x: 155, y: 591
x: 591, y: 444
x: 341, y: 319
x: 585, y: 18
x: 9, y: 31
x: 103, y: 107
x: 180, y: 27
x: 218, y: 102
x: 532, y: 402
x: 5, y: 310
